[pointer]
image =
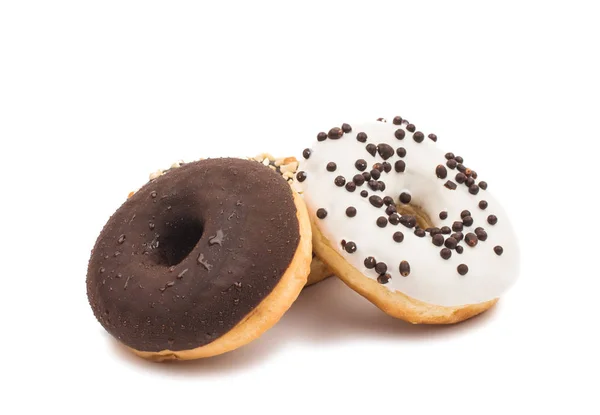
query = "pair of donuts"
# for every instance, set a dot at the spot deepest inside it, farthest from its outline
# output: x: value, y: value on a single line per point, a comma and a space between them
x: 208, y: 255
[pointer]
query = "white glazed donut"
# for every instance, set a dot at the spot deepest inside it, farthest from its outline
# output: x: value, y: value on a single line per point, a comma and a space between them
x: 357, y: 216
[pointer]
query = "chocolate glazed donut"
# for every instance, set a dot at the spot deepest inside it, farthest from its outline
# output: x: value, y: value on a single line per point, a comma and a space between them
x: 201, y: 260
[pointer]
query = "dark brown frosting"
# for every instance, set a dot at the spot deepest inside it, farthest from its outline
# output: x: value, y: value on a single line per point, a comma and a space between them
x: 193, y: 252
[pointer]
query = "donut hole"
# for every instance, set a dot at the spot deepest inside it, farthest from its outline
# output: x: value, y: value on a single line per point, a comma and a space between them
x: 423, y: 219
x: 178, y: 241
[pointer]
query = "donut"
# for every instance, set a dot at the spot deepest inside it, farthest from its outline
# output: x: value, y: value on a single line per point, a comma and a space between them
x: 287, y: 167
x: 405, y: 224
x: 200, y: 261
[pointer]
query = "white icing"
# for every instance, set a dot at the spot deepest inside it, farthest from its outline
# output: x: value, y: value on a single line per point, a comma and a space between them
x: 432, y: 279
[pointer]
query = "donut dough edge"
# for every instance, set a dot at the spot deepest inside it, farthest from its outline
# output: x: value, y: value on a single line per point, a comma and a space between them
x: 318, y: 271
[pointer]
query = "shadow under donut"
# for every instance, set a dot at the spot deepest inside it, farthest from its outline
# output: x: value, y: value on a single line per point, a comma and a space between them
x: 329, y: 314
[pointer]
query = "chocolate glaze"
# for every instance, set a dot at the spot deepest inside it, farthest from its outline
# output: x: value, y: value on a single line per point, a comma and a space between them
x: 223, y: 232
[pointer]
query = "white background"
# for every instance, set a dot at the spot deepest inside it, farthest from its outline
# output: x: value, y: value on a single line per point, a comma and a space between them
x: 96, y: 95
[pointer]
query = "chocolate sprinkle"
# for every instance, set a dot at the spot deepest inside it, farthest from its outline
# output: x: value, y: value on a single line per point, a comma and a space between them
x: 391, y: 209
x: 449, y: 156
x: 301, y: 176
x: 458, y: 159
x: 350, y: 247
x: 331, y: 166
x: 459, y: 249
x: 492, y: 219
x: 340, y: 181
x: 360, y: 164
x: 394, y: 218
x: 375, y: 174
x: 451, y: 243
x: 445, y: 253
x: 388, y: 200
x: 364, y: 193
x: 351, y: 212
x: 401, y: 151
x: 441, y: 172
x: 382, y: 221
x: 411, y: 128
x: 483, y: 205
x: 387, y: 167
x: 450, y: 185
x: 362, y: 137
x: 321, y: 136
x: 372, y: 149
x: 404, y: 268
x: 432, y: 137
x: 351, y: 186
x: 498, y: 250
x: 398, y: 237
x: 408, y: 220
x: 474, y: 189
x: 381, y: 268
x: 370, y: 262
x: 464, y: 213
x: 367, y: 175
x: 458, y: 236
x: 335, y: 133
x: 460, y: 178
x: 385, y: 151
x: 470, y: 182
x: 418, y: 137
x: 405, y: 198
x: 359, y: 179
x: 483, y: 185
x: 376, y: 201
x: 400, y: 134
x: 321, y: 213
x: 384, y: 279
x: 306, y: 153
x: 471, y: 239
x: 451, y: 163
x: 457, y: 226
x: 346, y: 128
x: 400, y: 166
x: 481, y: 234
x: 443, y: 215
x: 420, y: 232
x: 462, y: 269
x: 437, y: 240
x: 397, y: 120
x: 467, y: 220
x: 446, y: 230
x: 461, y: 168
